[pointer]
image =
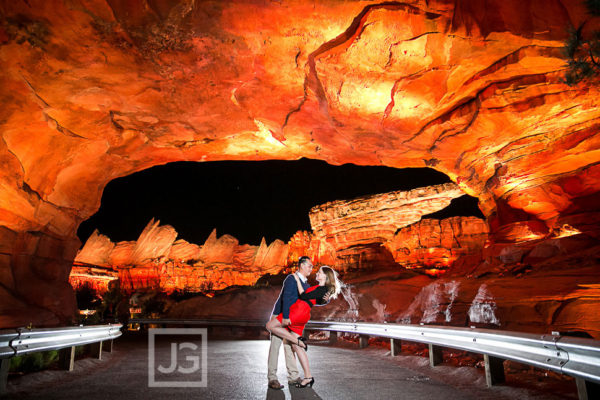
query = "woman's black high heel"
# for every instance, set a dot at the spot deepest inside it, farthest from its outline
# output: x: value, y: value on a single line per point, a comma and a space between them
x: 303, y: 340
x: 309, y: 383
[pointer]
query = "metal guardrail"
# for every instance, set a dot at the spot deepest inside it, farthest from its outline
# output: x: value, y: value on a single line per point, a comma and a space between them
x: 16, y: 342
x: 22, y: 340
x: 568, y: 355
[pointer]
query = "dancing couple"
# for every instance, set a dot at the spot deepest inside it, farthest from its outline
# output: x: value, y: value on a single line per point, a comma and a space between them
x: 291, y: 313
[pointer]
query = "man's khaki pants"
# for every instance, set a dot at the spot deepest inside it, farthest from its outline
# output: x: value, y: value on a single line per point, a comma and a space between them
x: 290, y: 359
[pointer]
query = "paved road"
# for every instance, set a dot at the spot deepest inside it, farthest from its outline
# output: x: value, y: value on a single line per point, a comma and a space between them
x: 236, y: 369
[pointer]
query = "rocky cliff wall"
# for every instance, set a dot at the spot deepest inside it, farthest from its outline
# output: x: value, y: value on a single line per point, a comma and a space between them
x: 437, y: 244
x: 158, y: 261
x: 386, y: 231
x: 371, y: 219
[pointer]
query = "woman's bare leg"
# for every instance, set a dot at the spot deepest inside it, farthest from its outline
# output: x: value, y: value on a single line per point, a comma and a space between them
x: 275, y: 327
x: 303, y: 357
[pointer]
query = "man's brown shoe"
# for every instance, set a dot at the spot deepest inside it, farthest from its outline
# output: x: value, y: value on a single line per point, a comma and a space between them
x: 292, y: 383
x: 274, y: 384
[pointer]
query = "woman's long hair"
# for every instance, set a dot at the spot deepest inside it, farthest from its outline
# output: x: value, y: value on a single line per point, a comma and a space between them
x: 332, y: 281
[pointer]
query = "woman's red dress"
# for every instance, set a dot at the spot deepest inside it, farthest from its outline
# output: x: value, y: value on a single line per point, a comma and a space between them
x: 299, y: 313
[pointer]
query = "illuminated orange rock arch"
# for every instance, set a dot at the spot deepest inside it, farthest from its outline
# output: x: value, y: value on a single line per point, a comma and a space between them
x: 98, y: 89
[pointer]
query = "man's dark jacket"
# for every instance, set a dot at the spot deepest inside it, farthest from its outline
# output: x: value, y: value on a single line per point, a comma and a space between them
x: 288, y: 296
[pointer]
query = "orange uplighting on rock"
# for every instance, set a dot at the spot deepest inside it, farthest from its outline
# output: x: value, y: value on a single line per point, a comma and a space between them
x: 566, y: 231
x: 434, y: 272
x: 158, y: 261
x: 97, y: 277
x: 367, y: 100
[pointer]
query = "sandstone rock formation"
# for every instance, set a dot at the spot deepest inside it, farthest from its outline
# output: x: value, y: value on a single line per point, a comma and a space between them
x: 94, y: 90
x: 98, y: 278
x: 304, y: 243
x: 438, y: 243
x: 158, y: 261
x: 347, y: 223
x: 386, y: 230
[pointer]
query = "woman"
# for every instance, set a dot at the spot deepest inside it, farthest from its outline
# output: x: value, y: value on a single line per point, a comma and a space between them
x: 328, y: 288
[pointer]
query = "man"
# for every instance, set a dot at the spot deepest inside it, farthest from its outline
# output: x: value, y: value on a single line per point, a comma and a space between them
x: 287, y: 297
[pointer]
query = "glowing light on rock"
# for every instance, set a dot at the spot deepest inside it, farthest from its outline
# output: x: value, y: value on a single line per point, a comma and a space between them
x: 408, y: 105
x: 233, y: 99
x: 530, y: 237
x: 567, y: 230
x: 99, y: 278
x: 452, y: 289
x: 370, y: 99
x: 483, y: 308
x: 433, y: 272
x: 435, y: 301
x: 266, y: 132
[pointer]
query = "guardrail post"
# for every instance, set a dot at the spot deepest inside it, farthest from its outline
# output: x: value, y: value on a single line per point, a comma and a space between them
x: 332, y: 337
x: 4, y: 367
x: 395, y: 347
x: 494, y: 370
x: 66, y: 358
x: 97, y: 350
x: 435, y: 355
x: 363, y: 341
x: 587, y: 390
x: 109, y: 346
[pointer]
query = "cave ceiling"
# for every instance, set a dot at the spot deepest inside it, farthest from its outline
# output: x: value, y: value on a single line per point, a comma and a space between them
x: 96, y: 89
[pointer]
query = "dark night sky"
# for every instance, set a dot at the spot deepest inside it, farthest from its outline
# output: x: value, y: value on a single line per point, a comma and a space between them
x: 246, y: 199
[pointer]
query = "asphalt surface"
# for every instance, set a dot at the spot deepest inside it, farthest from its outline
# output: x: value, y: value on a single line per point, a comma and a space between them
x: 236, y: 369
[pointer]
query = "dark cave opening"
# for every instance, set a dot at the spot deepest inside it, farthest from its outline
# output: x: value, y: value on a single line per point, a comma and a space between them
x: 246, y: 199
x: 464, y: 206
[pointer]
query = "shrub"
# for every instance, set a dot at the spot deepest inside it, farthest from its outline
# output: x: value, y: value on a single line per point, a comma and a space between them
x: 583, y: 51
x: 34, y: 361
x: 153, y: 305
x: 87, y: 297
